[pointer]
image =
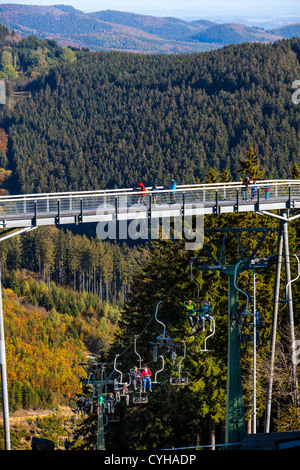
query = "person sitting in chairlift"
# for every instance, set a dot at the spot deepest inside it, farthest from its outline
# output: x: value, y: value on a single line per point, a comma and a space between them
x: 205, y: 314
x: 135, y: 377
x: 146, y: 378
x: 192, y: 315
x: 110, y: 402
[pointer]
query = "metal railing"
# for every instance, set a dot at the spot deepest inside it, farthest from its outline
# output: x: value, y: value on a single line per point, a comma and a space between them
x: 93, y: 201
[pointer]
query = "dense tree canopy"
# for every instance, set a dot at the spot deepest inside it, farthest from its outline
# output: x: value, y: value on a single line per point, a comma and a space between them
x: 114, y: 119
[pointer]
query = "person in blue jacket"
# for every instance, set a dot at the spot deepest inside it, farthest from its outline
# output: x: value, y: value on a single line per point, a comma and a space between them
x: 172, y: 191
x: 154, y: 193
x: 206, y: 310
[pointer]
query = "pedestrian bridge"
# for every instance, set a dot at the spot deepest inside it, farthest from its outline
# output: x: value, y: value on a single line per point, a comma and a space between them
x: 32, y: 210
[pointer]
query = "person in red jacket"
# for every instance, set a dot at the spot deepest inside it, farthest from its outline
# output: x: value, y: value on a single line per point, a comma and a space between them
x: 142, y: 195
x: 146, y: 378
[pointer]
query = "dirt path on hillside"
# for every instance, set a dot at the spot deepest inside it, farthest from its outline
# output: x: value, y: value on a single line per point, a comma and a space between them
x: 23, y: 415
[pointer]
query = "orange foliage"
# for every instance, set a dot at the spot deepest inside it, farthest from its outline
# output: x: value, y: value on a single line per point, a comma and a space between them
x: 3, y: 141
x: 39, y: 351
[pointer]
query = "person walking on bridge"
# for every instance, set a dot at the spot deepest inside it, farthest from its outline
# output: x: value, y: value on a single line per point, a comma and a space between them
x: 246, y: 183
x: 172, y: 191
x: 142, y: 195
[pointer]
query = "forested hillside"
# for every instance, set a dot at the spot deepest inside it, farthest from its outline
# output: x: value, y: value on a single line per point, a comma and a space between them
x: 80, y: 263
x: 114, y: 119
x: 63, y: 295
x: 109, y: 30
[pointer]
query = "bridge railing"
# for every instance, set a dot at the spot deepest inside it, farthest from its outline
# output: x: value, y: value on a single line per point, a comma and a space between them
x: 76, y: 202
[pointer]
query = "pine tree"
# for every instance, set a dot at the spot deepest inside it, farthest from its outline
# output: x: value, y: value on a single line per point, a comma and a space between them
x: 295, y: 173
x: 250, y: 165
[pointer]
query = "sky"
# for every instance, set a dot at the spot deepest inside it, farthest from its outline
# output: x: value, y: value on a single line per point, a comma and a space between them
x: 181, y: 8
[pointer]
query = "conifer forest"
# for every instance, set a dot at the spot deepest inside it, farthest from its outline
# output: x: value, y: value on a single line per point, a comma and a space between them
x: 77, y: 120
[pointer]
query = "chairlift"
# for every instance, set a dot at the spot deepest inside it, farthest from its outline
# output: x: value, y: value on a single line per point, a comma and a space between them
x: 161, y: 339
x: 125, y: 394
x: 201, y: 315
x: 196, y: 302
x: 236, y: 321
x: 88, y: 405
x: 243, y: 340
x: 158, y: 371
x: 155, y: 352
x: 120, y: 392
x: 113, y: 417
x: 140, y: 397
x: 182, y: 377
x: 291, y: 281
x: 140, y: 359
x: 105, y: 424
x: 120, y: 382
x: 204, y: 349
x: 240, y: 290
x: 193, y: 280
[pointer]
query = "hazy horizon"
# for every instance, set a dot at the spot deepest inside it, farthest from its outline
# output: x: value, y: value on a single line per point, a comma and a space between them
x: 217, y: 8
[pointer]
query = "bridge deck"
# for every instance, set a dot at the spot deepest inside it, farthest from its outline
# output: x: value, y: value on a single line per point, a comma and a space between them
x: 94, y: 206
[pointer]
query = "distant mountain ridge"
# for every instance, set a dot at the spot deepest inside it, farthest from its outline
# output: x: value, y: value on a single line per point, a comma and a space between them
x: 235, y: 33
x: 288, y: 31
x: 117, y: 30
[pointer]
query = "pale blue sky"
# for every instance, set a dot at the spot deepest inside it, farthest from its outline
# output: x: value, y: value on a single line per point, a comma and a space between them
x: 181, y: 7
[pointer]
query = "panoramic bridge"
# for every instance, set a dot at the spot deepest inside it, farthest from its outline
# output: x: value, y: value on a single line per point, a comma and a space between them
x: 32, y: 210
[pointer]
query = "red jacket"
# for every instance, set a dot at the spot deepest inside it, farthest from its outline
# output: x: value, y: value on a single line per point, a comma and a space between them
x: 143, y: 189
x: 144, y: 373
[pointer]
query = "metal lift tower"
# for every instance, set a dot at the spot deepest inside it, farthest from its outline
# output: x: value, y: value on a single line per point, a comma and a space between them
x: 235, y: 426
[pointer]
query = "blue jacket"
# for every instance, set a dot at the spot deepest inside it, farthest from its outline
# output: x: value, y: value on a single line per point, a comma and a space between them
x: 173, y: 185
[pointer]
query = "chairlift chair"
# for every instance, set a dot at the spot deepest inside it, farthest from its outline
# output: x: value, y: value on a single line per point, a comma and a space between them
x: 182, y: 377
x: 237, y: 288
x: 140, y: 397
x: 291, y: 281
x: 120, y: 382
x: 204, y: 349
x: 125, y: 395
x: 158, y: 371
x: 113, y: 417
x: 243, y: 340
x: 161, y: 339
